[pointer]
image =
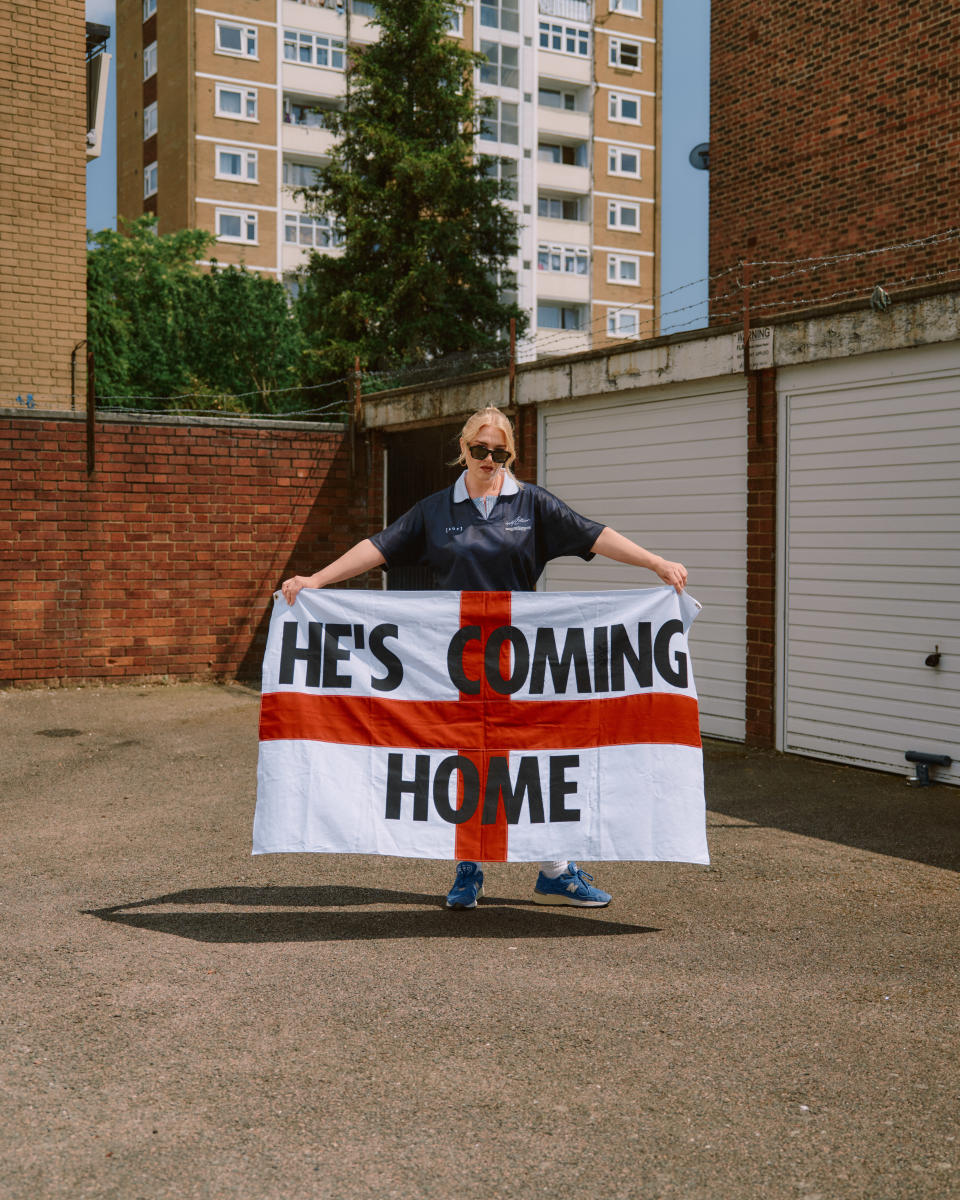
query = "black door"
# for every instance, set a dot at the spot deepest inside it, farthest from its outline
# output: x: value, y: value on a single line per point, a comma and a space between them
x: 417, y: 465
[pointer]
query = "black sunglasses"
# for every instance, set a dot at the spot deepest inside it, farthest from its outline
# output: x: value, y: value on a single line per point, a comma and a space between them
x: 481, y: 452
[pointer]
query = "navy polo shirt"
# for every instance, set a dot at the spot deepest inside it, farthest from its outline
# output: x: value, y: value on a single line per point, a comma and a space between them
x: 503, y: 552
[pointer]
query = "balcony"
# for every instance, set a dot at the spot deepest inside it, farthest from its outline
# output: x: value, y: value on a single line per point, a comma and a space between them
x: 551, y: 342
x: 573, y: 233
x: 570, y: 10
x: 313, y: 141
x: 563, y: 287
x: 313, y: 81
x: 561, y: 177
x: 564, y: 123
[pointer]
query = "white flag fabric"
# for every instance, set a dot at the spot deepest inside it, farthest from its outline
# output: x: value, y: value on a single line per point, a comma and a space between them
x: 494, y: 726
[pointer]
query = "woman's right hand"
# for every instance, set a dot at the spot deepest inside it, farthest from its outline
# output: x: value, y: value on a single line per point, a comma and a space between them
x: 290, y: 587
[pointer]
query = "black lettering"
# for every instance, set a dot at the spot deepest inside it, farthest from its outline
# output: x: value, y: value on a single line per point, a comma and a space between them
x: 498, y: 784
x: 661, y: 655
x: 601, y: 659
x: 358, y: 635
x: 290, y: 652
x: 560, y: 787
x: 622, y: 650
x: 419, y: 786
x: 386, y: 658
x: 521, y: 660
x: 545, y: 654
x: 332, y: 654
x: 458, y: 677
x: 471, y: 789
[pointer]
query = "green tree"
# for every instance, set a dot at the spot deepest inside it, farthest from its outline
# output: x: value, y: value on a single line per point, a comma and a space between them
x: 141, y: 292
x: 166, y: 334
x: 426, y: 242
x: 246, y: 341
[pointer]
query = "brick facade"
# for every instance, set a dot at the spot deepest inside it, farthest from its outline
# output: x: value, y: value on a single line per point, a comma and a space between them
x: 162, y: 562
x: 833, y: 130
x: 43, y: 157
x: 761, y: 649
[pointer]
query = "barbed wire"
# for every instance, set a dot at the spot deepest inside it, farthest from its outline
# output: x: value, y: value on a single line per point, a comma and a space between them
x: 535, y: 345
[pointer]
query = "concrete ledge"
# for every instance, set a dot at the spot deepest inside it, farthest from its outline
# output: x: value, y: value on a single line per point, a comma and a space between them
x: 851, y: 327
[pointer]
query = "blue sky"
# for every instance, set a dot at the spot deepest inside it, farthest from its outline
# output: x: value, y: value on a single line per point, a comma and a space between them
x: 686, y: 123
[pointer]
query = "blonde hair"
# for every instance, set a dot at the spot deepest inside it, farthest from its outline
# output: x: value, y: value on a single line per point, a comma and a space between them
x: 489, y: 416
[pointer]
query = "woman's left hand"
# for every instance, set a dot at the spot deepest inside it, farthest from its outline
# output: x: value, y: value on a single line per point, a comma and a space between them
x: 673, y: 573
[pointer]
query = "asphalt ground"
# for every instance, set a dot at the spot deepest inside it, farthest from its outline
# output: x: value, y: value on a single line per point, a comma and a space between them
x: 181, y: 1019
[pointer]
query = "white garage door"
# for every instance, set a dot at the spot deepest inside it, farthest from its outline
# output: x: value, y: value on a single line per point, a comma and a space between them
x: 668, y: 469
x: 870, y: 547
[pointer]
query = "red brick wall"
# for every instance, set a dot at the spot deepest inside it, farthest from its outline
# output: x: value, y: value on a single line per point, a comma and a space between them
x: 164, y: 561
x: 835, y: 128
x: 761, y: 695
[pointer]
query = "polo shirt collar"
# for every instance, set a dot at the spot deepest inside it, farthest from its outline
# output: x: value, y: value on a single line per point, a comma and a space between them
x: 509, y: 487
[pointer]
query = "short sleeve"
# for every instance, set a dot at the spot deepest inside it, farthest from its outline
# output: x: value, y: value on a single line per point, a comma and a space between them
x: 562, y: 531
x: 403, y: 544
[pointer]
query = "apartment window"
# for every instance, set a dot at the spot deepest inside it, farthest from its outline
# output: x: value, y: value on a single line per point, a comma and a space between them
x: 234, y: 163
x: 234, y: 226
x: 500, y: 14
x: 239, y: 103
x: 627, y: 6
x: 500, y: 69
x: 504, y: 169
x: 564, y: 39
x: 625, y: 108
x: 150, y: 60
x: 238, y: 40
x: 623, y: 161
x: 501, y: 125
x: 296, y: 174
x: 569, y: 260
x: 623, y: 215
x: 624, y: 54
x: 557, y: 208
x: 571, y: 156
x: 149, y: 8
x: 557, y: 316
x: 363, y: 8
x: 150, y: 120
x: 301, y: 230
x: 150, y: 180
x: 314, y: 49
x: 549, y: 98
x: 623, y: 322
x: 623, y: 268
x: 455, y: 22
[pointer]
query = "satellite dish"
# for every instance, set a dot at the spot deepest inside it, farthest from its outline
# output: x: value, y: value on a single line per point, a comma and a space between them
x: 700, y: 157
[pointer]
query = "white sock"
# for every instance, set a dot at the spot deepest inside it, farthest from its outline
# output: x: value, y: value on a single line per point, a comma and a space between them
x: 553, y: 869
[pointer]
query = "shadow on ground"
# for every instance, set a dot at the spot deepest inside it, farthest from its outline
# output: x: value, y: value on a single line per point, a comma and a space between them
x: 295, y: 915
x: 869, y: 810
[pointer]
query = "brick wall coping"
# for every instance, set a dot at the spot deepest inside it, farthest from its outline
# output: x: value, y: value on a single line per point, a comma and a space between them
x: 131, y: 418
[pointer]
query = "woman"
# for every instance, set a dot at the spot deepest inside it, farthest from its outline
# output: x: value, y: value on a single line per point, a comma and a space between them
x: 488, y: 532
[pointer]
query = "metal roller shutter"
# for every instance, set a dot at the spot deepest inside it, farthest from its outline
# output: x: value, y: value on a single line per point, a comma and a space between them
x: 666, y: 468
x: 870, y: 554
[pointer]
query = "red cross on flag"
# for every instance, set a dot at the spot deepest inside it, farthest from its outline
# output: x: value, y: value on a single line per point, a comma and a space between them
x: 494, y: 726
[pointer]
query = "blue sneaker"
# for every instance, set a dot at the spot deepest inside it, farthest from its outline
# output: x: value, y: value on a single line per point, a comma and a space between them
x: 467, y: 887
x: 573, y: 887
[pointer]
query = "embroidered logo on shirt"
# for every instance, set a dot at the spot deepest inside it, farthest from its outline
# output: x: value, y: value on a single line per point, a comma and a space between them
x: 519, y: 524
x: 454, y: 529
